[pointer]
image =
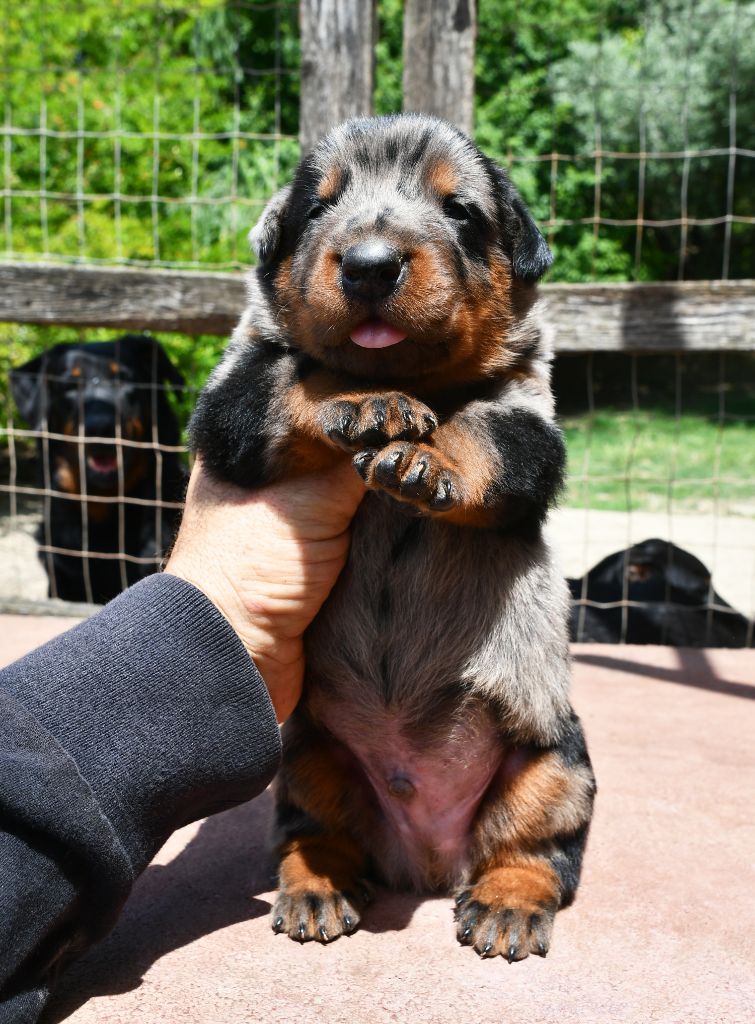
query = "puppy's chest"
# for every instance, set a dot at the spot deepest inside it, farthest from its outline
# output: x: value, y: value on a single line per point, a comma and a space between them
x: 408, y: 611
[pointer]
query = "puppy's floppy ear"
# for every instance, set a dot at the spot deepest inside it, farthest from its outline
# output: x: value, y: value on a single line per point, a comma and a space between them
x: 523, y: 242
x: 265, y: 236
x: 530, y: 256
x: 25, y: 386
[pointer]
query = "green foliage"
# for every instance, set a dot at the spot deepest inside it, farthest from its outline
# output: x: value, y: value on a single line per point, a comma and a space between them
x: 174, y: 122
x: 586, y: 75
x: 168, y: 125
x: 681, y: 81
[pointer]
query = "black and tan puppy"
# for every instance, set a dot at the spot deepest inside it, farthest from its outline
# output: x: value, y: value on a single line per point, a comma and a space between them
x: 392, y: 318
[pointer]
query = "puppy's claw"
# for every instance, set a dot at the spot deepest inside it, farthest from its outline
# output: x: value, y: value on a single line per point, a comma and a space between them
x: 411, y: 485
x: 443, y: 498
x: 363, y: 460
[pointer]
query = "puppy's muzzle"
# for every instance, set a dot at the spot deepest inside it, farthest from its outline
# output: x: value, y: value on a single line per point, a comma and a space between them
x: 370, y: 270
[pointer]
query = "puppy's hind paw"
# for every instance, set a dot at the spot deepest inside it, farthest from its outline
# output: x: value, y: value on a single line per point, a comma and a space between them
x: 507, y: 914
x: 318, y: 916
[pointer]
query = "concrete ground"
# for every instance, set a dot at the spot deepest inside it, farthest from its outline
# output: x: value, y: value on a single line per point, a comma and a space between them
x: 663, y: 929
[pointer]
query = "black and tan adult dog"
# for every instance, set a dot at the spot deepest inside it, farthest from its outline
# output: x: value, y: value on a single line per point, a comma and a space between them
x: 78, y: 392
x: 392, y: 321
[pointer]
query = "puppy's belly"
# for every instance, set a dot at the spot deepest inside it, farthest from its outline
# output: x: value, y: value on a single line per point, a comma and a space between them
x: 432, y: 636
x: 427, y: 796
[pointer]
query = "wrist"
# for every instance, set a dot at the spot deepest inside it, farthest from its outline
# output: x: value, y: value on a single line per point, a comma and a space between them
x: 277, y: 660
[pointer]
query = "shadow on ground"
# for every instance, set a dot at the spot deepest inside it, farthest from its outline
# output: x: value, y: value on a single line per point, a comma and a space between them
x: 694, y: 669
x: 211, y: 884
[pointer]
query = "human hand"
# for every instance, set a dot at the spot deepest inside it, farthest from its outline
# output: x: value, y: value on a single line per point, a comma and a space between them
x: 267, y: 560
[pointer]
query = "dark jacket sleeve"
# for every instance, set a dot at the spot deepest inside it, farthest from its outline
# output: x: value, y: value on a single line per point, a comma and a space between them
x: 145, y: 717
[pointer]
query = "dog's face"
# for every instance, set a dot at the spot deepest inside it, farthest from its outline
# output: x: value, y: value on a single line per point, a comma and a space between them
x: 656, y: 571
x: 399, y: 250
x: 91, y: 394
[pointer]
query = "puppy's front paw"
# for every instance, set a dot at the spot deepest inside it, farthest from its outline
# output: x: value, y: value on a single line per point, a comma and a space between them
x: 506, y: 915
x: 376, y: 420
x: 319, y: 914
x: 415, y: 473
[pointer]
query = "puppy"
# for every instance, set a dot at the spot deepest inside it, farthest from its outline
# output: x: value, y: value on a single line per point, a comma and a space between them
x: 108, y: 389
x: 391, y: 320
x: 670, y: 597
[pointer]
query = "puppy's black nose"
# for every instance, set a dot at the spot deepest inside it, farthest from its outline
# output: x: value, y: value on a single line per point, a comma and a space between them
x: 370, y: 270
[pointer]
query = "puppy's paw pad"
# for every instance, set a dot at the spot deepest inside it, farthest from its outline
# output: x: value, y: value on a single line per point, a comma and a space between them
x: 315, y: 916
x: 499, y: 930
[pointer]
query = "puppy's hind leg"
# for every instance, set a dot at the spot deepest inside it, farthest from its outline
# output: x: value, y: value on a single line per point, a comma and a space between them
x: 322, y: 864
x: 321, y: 894
x: 529, y: 843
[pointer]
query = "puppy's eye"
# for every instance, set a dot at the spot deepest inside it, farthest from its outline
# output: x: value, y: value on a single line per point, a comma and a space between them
x: 316, y: 211
x: 455, y: 209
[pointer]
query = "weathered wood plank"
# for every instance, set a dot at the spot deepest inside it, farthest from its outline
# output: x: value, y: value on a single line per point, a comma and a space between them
x: 337, y: 64
x: 439, y: 46
x: 690, y: 315
x: 159, y: 300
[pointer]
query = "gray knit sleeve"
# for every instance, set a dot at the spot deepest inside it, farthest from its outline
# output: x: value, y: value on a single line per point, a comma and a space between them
x: 147, y: 716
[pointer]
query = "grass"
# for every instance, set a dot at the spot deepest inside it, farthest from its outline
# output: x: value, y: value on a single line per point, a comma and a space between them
x: 646, y: 459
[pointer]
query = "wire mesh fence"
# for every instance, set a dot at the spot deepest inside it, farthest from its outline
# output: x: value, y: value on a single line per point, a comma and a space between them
x: 144, y: 133
x: 151, y: 134
x: 662, y: 478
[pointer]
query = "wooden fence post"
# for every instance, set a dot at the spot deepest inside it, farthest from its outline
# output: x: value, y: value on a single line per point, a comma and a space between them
x: 337, y: 64
x: 439, y: 43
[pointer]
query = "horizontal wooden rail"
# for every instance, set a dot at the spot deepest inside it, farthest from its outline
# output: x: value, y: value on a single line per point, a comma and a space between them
x: 689, y: 315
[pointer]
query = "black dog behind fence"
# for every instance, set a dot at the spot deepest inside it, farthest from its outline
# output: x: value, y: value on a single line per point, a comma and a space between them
x: 110, y: 469
x: 654, y: 593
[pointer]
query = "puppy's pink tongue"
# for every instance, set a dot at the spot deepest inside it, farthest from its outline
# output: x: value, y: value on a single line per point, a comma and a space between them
x: 376, y: 334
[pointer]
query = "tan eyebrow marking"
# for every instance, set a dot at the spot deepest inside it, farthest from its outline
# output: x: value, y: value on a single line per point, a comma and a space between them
x: 443, y: 178
x: 330, y: 184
